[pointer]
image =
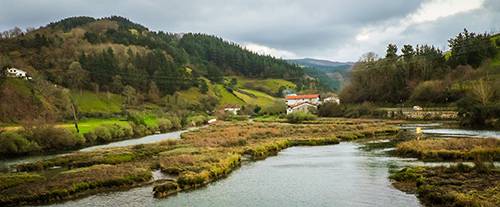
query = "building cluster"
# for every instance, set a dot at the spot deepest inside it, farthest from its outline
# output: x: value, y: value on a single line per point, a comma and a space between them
x: 17, y: 73
x: 307, y: 102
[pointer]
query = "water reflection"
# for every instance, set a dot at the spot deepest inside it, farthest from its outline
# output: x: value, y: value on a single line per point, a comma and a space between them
x: 437, y: 129
x: 336, y: 175
x: 7, y: 163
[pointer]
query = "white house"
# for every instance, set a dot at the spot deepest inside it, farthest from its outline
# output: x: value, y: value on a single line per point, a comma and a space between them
x: 305, y: 102
x: 18, y: 73
x: 331, y: 99
x: 303, y: 106
x: 234, y: 109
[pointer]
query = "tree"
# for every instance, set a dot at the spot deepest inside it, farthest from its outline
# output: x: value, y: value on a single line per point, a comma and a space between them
x: 130, y: 95
x: 116, y: 84
x: 76, y: 76
x: 469, y: 48
x: 234, y: 82
x: 153, y: 93
x: 408, y: 52
x: 482, y: 92
x: 203, y: 86
x: 214, y: 73
x: 391, y: 52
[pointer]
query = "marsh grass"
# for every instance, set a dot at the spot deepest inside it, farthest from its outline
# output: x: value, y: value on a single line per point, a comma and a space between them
x: 438, y: 149
x: 458, y: 185
x: 200, y: 157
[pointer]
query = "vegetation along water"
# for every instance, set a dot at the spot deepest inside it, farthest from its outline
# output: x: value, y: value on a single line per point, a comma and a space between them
x: 107, y: 112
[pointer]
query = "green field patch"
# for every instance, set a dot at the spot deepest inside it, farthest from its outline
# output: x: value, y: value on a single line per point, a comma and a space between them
x: 255, y: 97
x: 87, y: 125
x: 269, y: 86
x: 226, y: 97
x: 101, y: 103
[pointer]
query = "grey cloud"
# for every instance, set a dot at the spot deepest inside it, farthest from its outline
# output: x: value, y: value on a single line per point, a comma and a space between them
x: 311, y: 28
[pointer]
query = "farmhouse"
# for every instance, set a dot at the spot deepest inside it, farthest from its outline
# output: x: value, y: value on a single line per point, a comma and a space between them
x: 17, y: 73
x: 302, y: 102
x: 331, y: 99
x: 234, y: 109
x: 303, y: 106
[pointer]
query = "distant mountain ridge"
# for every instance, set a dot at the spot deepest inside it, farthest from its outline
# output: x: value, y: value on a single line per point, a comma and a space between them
x: 332, y: 74
x: 319, y: 62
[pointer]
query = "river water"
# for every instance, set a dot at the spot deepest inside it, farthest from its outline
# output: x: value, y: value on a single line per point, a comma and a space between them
x: 437, y: 129
x: 7, y: 163
x: 335, y: 175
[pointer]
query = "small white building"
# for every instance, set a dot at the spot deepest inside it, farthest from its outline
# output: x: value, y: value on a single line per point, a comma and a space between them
x: 303, y: 106
x: 234, y: 109
x: 331, y: 99
x: 18, y: 73
x: 304, y: 102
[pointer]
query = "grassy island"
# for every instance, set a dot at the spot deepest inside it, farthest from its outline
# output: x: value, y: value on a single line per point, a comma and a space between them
x: 198, y: 158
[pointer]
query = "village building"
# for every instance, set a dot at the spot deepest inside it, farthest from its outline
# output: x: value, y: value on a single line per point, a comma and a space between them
x: 331, y: 99
x: 234, y: 109
x: 18, y: 73
x: 303, y: 103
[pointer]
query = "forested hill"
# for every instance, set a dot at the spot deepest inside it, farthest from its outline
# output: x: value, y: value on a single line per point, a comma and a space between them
x: 331, y: 75
x: 466, y: 77
x: 110, y: 53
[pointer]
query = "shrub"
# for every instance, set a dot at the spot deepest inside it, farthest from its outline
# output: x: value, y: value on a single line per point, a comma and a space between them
x: 330, y: 109
x: 278, y: 107
x: 118, y: 131
x: 299, y: 116
x: 136, y: 118
x: 140, y: 130
x: 50, y: 138
x: 364, y: 110
x: 90, y: 137
x: 164, y: 125
x: 197, y: 120
x: 429, y: 91
x: 14, y: 144
x: 176, y: 122
x: 102, y: 134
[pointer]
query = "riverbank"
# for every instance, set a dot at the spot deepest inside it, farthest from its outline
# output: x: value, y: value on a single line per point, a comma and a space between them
x: 200, y: 157
x: 458, y: 185
x: 474, y: 184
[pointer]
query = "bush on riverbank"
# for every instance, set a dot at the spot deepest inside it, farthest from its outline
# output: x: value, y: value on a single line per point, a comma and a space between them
x: 35, y: 139
x: 458, y: 185
x: 68, y: 183
x: 299, y: 117
x: 201, y: 156
x: 451, y: 149
x: 14, y: 143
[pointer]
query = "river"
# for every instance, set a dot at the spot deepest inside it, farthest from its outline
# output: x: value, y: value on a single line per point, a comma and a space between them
x: 335, y: 175
x: 437, y: 129
x: 8, y: 163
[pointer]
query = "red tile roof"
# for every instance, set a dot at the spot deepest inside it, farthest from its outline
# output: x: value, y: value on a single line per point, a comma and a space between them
x: 305, y: 96
x: 301, y: 103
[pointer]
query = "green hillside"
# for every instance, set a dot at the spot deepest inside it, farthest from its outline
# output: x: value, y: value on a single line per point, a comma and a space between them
x: 270, y: 86
x: 109, y: 65
x: 100, y: 103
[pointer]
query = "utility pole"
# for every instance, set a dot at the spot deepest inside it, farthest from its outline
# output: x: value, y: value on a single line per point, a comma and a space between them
x: 75, y: 114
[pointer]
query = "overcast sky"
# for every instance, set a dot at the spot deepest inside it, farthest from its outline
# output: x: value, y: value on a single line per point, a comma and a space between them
x: 340, y: 30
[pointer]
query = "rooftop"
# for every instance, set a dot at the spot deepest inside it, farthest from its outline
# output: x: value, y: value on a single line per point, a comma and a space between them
x: 305, y: 96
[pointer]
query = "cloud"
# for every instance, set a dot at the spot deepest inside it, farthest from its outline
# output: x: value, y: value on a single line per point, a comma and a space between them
x: 427, y: 12
x: 264, y: 50
x: 335, y: 29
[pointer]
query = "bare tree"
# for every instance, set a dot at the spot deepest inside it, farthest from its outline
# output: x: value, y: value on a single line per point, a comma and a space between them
x: 482, y: 91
